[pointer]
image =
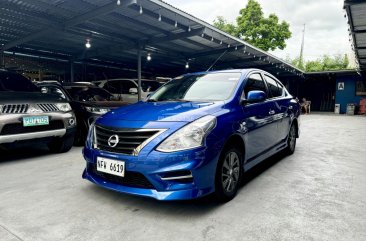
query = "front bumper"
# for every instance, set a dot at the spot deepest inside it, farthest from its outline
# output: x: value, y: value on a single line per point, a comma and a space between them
x: 62, y: 129
x: 201, y: 163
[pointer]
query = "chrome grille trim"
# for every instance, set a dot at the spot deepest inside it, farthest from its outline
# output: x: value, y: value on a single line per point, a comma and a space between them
x: 48, y: 107
x: 131, y: 140
x: 14, y: 109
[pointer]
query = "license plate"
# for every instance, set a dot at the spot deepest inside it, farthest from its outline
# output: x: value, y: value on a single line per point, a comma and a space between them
x: 110, y: 166
x: 35, y: 121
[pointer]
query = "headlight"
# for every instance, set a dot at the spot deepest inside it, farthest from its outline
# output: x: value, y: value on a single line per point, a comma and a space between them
x: 64, y: 107
x: 90, y: 139
x: 97, y: 110
x: 190, y: 136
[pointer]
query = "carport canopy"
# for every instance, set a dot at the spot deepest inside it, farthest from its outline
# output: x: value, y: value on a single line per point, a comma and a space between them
x: 123, y: 33
x: 356, y: 11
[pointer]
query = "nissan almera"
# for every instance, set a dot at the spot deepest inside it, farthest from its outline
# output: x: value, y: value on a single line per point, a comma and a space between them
x: 198, y: 134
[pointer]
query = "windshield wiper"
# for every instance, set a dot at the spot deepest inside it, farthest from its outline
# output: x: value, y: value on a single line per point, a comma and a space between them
x: 151, y: 100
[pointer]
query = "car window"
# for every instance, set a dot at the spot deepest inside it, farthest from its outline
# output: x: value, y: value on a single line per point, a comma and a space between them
x: 127, y: 85
x: 88, y: 93
x: 115, y: 87
x: 16, y: 82
x: 149, y: 86
x: 53, y: 90
x: 254, y: 82
x: 198, y: 87
x: 275, y: 89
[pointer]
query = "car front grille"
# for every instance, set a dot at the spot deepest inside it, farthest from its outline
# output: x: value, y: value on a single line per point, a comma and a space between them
x: 48, y: 107
x: 130, y: 140
x: 23, y: 108
x: 14, y: 109
x: 131, y: 179
x: 18, y: 128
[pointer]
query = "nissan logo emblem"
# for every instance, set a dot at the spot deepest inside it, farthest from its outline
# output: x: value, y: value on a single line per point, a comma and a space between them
x: 113, y: 141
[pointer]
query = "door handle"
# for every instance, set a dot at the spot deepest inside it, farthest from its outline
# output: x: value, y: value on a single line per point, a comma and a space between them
x: 271, y: 112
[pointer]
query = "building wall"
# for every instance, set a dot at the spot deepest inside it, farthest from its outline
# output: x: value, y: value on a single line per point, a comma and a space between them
x: 348, y: 95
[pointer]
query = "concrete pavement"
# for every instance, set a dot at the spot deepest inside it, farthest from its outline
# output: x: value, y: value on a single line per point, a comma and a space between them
x: 319, y: 193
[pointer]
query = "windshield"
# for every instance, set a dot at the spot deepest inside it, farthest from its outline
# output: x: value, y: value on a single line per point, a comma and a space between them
x: 203, y: 87
x: 88, y: 93
x: 16, y: 82
x: 150, y: 86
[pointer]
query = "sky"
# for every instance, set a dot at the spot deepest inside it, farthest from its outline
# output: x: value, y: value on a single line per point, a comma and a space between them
x: 326, y: 27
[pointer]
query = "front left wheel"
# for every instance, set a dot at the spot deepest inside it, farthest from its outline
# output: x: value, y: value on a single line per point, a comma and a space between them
x: 291, y: 141
x: 228, y: 174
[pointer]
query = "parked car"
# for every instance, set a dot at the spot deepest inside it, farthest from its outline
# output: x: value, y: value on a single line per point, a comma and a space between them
x: 195, y: 135
x: 26, y: 114
x: 88, y: 102
x: 126, y: 89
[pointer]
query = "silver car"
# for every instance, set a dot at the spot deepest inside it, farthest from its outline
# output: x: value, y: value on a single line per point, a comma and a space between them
x: 27, y: 115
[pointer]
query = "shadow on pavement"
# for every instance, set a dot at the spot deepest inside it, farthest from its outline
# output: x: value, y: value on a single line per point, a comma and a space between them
x: 23, y: 152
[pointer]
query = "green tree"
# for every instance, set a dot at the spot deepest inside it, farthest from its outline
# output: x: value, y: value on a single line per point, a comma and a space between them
x: 222, y: 24
x: 254, y: 28
x: 336, y: 62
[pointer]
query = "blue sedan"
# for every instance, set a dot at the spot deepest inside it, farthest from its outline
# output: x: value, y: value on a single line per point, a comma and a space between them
x: 198, y: 134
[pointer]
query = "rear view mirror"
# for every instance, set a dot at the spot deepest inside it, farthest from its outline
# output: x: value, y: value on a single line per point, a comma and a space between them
x: 133, y: 91
x: 254, y: 96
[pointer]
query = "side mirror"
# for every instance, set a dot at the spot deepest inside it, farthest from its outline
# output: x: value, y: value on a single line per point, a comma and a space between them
x: 44, y: 90
x: 254, y: 96
x: 133, y: 91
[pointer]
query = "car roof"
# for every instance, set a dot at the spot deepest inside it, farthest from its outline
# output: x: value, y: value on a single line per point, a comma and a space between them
x: 243, y: 71
x: 124, y: 79
x: 78, y: 84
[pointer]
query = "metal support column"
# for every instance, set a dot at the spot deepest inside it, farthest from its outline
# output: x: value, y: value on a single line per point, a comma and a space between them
x: 71, y: 71
x: 2, y: 59
x: 139, y: 72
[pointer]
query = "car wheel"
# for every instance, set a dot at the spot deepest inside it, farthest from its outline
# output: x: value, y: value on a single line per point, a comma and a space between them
x: 80, y: 137
x: 291, y: 140
x: 61, y: 145
x: 228, y: 174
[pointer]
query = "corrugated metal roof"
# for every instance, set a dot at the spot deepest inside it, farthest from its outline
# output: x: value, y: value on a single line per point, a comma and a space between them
x: 356, y: 12
x: 173, y: 37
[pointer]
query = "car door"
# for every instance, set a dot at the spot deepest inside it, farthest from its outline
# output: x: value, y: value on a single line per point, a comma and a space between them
x: 280, y: 104
x: 257, y: 120
x: 126, y: 95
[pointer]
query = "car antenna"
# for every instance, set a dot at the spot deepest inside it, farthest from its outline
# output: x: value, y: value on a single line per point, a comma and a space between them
x: 216, y: 60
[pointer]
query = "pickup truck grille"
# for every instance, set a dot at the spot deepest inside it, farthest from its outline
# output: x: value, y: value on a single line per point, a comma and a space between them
x: 129, y: 139
x: 48, y: 107
x: 14, y: 109
x: 23, y: 108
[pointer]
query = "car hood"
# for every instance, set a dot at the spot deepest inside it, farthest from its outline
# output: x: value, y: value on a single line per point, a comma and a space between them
x: 28, y: 97
x: 165, y: 111
x: 107, y: 104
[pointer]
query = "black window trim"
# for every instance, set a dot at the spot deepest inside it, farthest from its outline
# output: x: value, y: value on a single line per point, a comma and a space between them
x: 277, y: 82
x: 264, y: 81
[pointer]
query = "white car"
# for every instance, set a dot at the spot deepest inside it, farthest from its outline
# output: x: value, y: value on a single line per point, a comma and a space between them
x: 126, y: 89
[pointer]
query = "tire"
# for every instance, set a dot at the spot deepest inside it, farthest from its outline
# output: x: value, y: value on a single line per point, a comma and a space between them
x: 61, y: 145
x: 228, y: 174
x: 80, y: 137
x: 291, y: 141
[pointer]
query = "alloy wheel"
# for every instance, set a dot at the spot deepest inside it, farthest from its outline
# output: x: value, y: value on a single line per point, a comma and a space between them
x: 230, y: 172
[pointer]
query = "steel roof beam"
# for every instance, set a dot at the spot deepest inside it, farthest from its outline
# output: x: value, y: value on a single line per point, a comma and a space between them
x: 156, y: 29
x: 72, y: 22
x: 359, y: 31
x: 172, y: 37
x: 151, y: 41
